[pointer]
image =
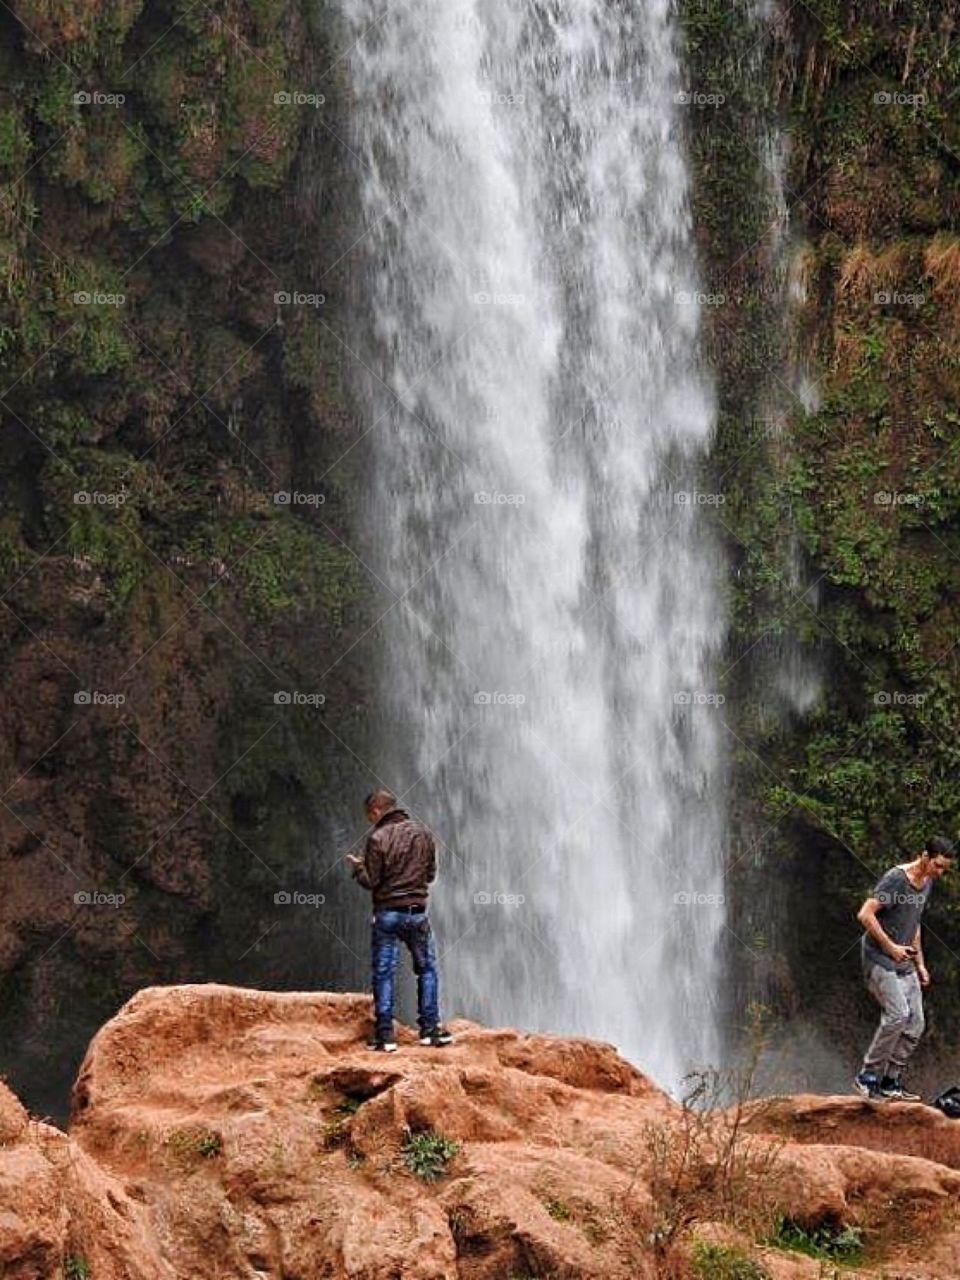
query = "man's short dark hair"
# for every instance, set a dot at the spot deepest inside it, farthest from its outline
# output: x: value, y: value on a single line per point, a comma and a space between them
x: 380, y: 799
x: 940, y: 847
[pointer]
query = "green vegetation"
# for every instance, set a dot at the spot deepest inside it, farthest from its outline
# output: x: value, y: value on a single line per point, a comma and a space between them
x: 828, y: 1243
x: 76, y: 1267
x: 427, y: 1154
x: 188, y: 1146
x: 558, y: 1210
x: 838, y: 372
x: 155, y: 399
x: 722, y: 1262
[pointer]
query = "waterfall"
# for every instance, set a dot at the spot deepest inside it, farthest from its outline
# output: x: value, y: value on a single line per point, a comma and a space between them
x: 535, y: 418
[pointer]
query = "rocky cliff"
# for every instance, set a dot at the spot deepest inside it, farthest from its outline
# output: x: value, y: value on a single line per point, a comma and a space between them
x: 183, y: 666
x: 226, y: 1133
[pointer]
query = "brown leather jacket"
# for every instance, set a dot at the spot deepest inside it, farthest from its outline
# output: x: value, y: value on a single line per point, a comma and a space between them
x: 399, y: 863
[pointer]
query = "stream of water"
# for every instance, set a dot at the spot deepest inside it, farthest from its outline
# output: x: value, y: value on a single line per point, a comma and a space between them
x: 535, y: 415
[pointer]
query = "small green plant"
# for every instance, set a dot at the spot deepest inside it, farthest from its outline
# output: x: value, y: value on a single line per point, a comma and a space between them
x: 827, y: 1242
x: 721, y: 1262
x: 76, y: 1267
x: 427, y: 1154
x: 188, y: 1145
x: 558, y: 1210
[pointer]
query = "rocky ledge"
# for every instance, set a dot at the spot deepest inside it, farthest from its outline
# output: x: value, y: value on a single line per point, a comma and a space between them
x: 228, y: 1134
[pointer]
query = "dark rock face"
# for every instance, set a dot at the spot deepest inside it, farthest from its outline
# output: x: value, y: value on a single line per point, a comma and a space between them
x: 170, y: 219
x: 834, y: 343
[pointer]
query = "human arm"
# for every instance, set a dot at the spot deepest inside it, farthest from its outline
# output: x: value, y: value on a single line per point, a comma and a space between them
x: 867, y: 916
x: 368, y: 869
x: 922, y: 971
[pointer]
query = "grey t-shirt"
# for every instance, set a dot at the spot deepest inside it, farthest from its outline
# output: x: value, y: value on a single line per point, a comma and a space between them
x: 899, y: 917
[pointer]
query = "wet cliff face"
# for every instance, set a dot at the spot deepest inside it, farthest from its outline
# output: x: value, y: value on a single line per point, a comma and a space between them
x: 174, y: 202
x: 838, y: 367
x: 171, y: 196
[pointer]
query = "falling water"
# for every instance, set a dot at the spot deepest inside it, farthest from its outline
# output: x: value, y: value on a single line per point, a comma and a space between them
x: 535, y: 418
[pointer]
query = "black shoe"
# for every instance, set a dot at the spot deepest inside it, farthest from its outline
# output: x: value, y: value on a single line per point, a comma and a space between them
x: 868, y: 1086
x: 437, y: 1038
x: 891, y: 1087
x: 382, y: 1046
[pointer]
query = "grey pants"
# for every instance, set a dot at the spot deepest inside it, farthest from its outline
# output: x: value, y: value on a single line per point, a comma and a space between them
x: 900, y: 998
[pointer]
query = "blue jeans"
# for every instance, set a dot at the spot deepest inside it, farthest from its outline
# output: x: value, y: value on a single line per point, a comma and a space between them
x: 390, y: 928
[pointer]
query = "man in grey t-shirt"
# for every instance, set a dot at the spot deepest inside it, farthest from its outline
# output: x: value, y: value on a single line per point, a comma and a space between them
x: 894, y: 969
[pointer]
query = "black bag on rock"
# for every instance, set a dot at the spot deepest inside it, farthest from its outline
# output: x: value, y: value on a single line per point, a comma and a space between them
x: 949, y: 1102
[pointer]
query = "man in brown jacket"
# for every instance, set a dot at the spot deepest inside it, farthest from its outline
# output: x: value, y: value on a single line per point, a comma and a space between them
x: 398, y: 867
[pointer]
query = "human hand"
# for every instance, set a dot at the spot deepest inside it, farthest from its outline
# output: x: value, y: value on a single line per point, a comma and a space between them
x: 900, y: 955
x: 354, y: 860
x: 924, y: 975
